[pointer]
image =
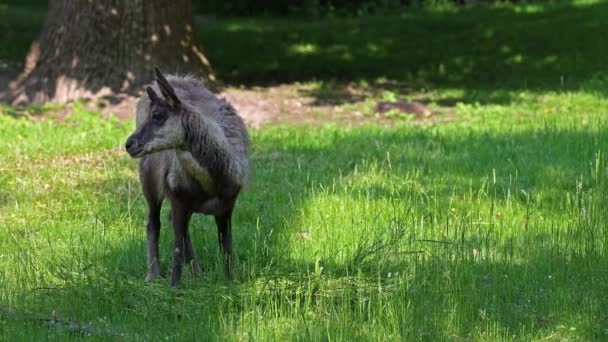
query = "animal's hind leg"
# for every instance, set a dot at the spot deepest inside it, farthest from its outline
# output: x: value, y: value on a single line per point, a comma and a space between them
x: 224, y: 235
x: 191, y: 259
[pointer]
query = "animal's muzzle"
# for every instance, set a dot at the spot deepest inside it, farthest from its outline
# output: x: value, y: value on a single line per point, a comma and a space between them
x: 133, y: 147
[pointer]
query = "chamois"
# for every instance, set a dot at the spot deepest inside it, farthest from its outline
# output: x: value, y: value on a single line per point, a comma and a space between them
x: 193, y: 150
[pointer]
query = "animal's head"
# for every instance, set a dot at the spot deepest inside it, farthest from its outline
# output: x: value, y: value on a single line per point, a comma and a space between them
x: 159, y: 125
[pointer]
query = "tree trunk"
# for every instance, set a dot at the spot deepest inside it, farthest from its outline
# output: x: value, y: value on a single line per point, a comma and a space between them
x: 98, y: 48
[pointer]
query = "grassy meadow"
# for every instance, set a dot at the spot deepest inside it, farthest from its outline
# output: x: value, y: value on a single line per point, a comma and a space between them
x: 491, y: 226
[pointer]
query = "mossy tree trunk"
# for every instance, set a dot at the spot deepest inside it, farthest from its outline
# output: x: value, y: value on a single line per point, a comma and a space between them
x: 97, y: 48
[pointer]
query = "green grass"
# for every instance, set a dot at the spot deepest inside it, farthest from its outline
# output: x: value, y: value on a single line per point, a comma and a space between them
x: 490, y: 227
x: 483, y: 229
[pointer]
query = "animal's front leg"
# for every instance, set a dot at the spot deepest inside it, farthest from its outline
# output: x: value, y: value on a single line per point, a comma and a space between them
x: 152, y: 232
x: 179, y: 220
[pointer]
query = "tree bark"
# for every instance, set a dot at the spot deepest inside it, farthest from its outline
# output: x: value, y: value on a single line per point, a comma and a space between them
x: 98, y: 48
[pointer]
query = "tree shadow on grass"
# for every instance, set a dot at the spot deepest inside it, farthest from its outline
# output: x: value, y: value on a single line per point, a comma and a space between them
x: 504, y: 51
x: 468, y: 298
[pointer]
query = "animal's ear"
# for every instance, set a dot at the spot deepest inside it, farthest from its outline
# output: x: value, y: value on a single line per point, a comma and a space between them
x: 166, y: 89
x: 151, y: 94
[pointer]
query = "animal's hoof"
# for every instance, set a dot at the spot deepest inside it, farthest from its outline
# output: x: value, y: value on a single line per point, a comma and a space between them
x: 195, y: 267
x: 229, y: 278
x: 151, y: 276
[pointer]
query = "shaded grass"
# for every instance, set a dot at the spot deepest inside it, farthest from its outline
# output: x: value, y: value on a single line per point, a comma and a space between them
x: 475, y: 48
x: 480, y: 50
x: 484, y: 229
x: 19, y: 26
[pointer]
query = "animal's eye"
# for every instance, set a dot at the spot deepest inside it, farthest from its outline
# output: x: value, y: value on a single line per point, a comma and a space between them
x: 158, y: 116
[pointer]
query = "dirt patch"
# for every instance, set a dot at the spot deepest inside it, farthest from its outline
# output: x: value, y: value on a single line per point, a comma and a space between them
x: 342, y: 104
x: 258, y: 106
x: 310, y: 104
x: 283, y: 103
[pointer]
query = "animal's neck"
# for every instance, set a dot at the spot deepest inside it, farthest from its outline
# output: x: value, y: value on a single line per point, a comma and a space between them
x: 204, y: 138
x: 210, y: 148
x: 212, y: 159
